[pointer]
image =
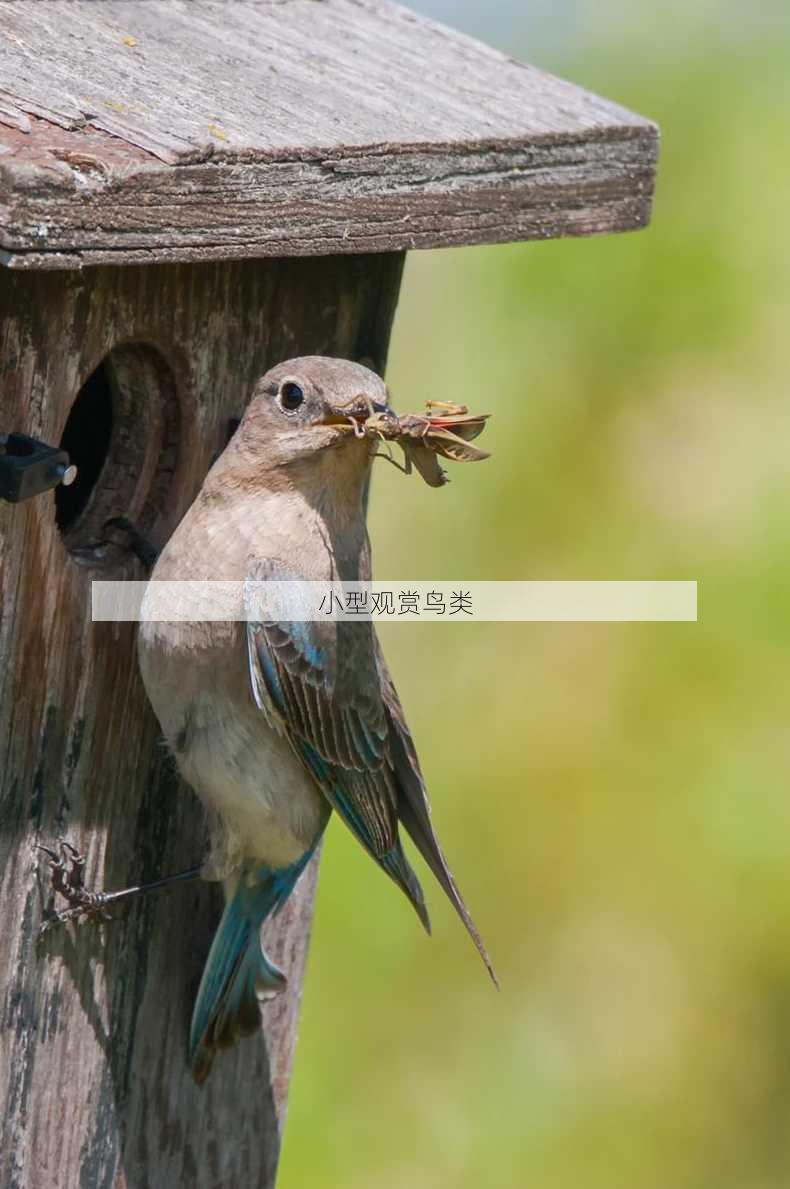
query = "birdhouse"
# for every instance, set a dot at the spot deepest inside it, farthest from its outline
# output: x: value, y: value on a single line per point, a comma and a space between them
x: 190, y: 193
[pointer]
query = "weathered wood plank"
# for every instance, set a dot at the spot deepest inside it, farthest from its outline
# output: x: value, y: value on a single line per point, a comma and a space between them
x: 171, y: 130
x: 94, y: 1086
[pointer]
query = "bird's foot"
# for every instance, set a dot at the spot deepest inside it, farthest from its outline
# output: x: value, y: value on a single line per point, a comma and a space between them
x: 67, y: 878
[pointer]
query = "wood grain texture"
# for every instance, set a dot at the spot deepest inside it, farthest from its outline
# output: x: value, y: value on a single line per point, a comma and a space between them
x: 94, y: 1086
x: 175, y: 130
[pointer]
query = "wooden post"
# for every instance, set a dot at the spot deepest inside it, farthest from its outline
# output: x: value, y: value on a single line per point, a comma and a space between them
x: 95, y: 1089
x: 166, y: 171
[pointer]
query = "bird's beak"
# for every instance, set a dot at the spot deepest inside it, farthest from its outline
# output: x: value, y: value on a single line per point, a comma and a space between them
x: 355, y: 412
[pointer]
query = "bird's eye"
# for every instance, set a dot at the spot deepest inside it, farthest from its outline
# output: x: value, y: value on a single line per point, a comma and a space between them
x: 291, y: 396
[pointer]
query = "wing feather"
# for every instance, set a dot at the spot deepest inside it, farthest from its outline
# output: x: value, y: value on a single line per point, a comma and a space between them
x: 328, y: 686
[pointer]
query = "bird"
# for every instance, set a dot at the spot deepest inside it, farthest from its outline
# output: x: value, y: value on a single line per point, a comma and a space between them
x: 275, y: 725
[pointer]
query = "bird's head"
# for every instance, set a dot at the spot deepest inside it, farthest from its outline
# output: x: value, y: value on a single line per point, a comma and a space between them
x: 303, y: 415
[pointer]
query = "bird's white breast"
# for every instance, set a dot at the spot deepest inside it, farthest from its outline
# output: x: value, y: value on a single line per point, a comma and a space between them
x: 196, y: 673
x: 269, y: 807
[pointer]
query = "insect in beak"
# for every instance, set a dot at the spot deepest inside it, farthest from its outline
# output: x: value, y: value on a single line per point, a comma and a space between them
x: 444, y: 430
x: 356, y: 414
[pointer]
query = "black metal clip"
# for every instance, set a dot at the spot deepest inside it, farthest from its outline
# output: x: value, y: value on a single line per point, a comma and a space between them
x: 29, y: 467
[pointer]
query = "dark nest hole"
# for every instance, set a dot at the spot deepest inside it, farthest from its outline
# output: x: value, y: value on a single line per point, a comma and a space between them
x: 122, y: 433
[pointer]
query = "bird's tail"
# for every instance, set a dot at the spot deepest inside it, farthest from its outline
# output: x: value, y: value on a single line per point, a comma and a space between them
x: 237, y: 969
x: 415, y: 815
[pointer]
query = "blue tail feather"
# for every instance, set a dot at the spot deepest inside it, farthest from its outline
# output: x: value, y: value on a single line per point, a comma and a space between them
x: 237, y: 968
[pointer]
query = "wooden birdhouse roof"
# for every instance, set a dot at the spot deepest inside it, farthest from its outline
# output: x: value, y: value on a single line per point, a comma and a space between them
x: 162, y: 130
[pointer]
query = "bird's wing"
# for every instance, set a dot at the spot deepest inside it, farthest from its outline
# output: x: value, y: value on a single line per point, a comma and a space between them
x: 318, y: 682
x: 298, y: 665
x: 327, y: 686
x: 414, y: 808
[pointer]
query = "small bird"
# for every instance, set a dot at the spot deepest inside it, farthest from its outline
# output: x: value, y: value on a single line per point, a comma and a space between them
x: 275, y: 725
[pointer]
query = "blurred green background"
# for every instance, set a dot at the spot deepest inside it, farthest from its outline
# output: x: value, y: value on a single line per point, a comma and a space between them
x: 613, y: 799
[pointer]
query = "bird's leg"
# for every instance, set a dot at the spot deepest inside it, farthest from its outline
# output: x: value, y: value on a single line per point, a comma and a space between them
x: 67, y: 874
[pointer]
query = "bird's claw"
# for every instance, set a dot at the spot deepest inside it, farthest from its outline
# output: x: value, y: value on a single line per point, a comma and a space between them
x: 67, y: 875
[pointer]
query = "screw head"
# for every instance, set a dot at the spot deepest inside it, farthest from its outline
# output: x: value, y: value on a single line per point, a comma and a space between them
x: 68, y: 475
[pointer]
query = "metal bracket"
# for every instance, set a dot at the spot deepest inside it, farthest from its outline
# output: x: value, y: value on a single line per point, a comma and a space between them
x: 29, y: 467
